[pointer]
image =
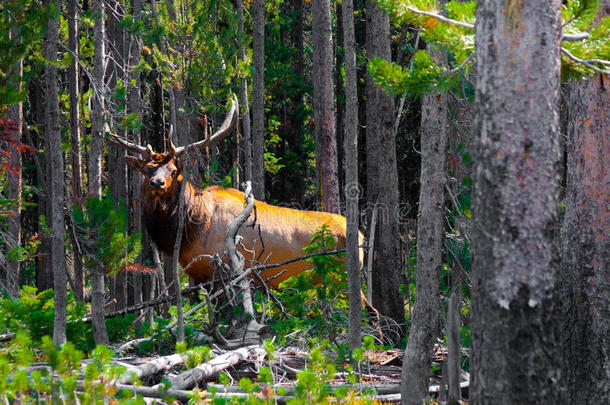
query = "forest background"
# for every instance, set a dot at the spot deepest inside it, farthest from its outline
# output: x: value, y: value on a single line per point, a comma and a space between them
x: 406, y: 154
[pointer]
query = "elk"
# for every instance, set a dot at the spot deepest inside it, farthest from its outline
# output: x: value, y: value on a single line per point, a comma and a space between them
x: 281, y: 232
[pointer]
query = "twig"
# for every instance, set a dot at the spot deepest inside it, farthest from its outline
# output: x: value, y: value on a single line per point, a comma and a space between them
x: 441, y: 18
x: 460, y: 67
x: 588, y: 62
x: 575, y: 37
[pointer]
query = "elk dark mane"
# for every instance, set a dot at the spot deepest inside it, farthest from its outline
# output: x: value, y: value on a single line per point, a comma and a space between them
x: 161, y: 217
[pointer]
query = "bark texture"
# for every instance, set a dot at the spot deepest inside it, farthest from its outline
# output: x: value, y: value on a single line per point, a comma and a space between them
x: 258, y: 99
x: 515, y: 203
x: 97, y: 104
x: 100, y: 336
x: 135, y: 106
x: 323, y: 108
x: 75, y: 138
x: 352, y: 188
x: 117, y: 181
x: 425, y: 324
x: 55, y: 194
x: 585, y: 271
x: 246, y: 132
x: 13, y: 127
x: 382, y: 175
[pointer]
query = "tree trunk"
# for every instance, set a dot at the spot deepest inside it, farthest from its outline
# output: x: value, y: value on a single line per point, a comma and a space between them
x: 243, y: 99
x: 57, y: 258
x: 340, y: 100
x: 13, y: 127
x: 453, y: 343
x: 135, y: 106
x: 97, y: 105
x: 117, y: 52
x: 258, y: 99
x: 352, y: 188
x: 323, y: 108
x: 75, y: 141
x: 382, y: 175
x: 100, y: 335
x: 430, y: 231
x: 585, y: 272
x: 515, y: 204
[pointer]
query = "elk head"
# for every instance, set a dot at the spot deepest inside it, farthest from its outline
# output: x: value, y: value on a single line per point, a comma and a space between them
x: 163, y: 171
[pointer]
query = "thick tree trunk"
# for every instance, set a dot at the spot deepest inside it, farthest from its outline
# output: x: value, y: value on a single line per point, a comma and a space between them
x: 100, y: 335
x: 382, y: 175
x: 323, y: 108
x: 585, y: 271
x: 430, y: 231
x: 57, y: 258
x: 258, y: 99
x: 352, y: 187
x: 515, y: 358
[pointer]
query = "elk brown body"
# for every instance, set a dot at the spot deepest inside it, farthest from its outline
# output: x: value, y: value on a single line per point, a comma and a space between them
x: 281, y: 233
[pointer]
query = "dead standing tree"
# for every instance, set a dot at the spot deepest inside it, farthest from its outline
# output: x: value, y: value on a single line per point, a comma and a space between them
x: 237, y: 262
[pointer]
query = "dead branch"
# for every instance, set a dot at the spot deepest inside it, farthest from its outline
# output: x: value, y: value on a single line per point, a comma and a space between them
x: 192, y: 377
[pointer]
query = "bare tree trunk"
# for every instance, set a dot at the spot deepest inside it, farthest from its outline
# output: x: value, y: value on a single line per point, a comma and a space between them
x: 352, y: 187
x: 453, y: 344
x: 323, y: 107
x: 382, y: 174
x: 175, y: 257
x: 258, y: 100
x: 243, y: 99
x: 172, y: 95
x: 14, y: 129
x: 117, y: 57
x: 515, y: 204
x: 585, y: 273
x: 100, y: 335
x: 75, y: 141
x: 57, y: 259
x: 415, y: 378
x: 135, y: 106
x: 97, y: 105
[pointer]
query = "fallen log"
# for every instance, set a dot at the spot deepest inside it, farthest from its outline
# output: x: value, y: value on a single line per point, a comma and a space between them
x: 153, y: 367
x: 192, y: 377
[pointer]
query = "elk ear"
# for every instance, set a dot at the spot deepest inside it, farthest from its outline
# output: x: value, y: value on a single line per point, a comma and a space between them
x: 135, y: 164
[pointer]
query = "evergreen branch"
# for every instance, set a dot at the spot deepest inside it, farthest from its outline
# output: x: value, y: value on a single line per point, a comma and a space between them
x: 588, y: 62
x: 565, y: 37
x: 441, y: 18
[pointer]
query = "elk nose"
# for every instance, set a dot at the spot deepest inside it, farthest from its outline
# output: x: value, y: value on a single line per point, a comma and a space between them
x: 157, y: 183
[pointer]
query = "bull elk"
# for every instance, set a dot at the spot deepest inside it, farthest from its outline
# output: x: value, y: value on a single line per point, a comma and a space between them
x: 282, y: 232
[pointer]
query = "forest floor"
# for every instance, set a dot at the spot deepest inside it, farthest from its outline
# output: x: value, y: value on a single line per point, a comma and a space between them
x: 222, y: 376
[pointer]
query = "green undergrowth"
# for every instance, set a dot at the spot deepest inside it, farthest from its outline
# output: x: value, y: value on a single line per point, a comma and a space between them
x: 64, y: 375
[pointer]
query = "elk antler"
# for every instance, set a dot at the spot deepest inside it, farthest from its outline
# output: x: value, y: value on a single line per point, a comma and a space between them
x: 146, y: 152
x: 225, y: 129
